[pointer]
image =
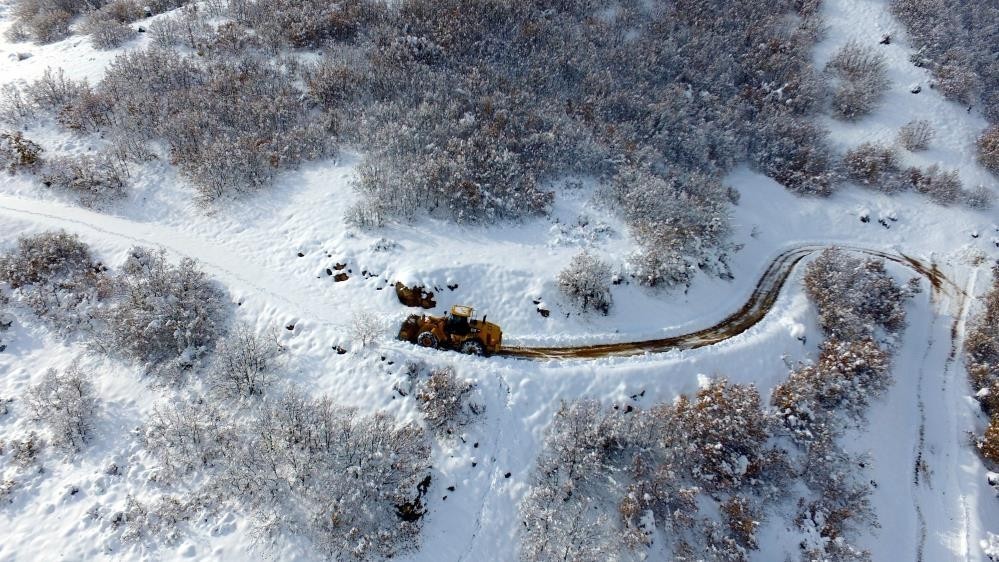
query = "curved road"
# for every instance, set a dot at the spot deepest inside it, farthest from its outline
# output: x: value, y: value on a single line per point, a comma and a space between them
x: 225, y: 264
x: 759, y: 304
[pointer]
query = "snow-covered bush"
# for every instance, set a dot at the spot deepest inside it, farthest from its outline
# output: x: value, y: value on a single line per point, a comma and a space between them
x: 701, y: 469
x: 94, y: 179
x: 794, y: 152
x: 839, y: 506
x: 26, y: 451
x: 166, y: 314
x: 873, y: 166
x: 955, y: 40
x: 367, y: 326
x: 44, y: 21
x: 854, y: 296
x: 66, y: 403
x: 839, y: 386
x: 54, y: 274
x: 230, y: 122
x: 106, y: 32
x: 943, y: 187
x: 988, y: 445
x: 350, y: 484
x: 861, y: 73
x: 915, y: 135
x: 982, y: 346
x: 187, y: 437
x: 681, y: 223
x: 979, y: 197
x: 988, y: 149
x: 53, y: 91
x: 586, y: 282
x: 243, y: 364
x: 446, y: 401
x: 18, y: 153
x: 187, y: 28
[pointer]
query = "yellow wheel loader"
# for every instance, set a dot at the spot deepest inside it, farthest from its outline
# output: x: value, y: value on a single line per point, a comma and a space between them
x: 457, y: 330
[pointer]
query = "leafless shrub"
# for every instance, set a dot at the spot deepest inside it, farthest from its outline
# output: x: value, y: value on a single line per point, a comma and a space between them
x: 188, y: 437
x: 15, y: 107
x: 988, y: 149
x: 301, y: 467
x: 943, y: 187
x: 873, y: 166
x: 680, y: 221
x: 862, y: 76
x: 187, y: 28
x: 446, y: 401
x: 106, y: 32
x: 18, y: 153
x: 841, y: 384
x: 45, y: 258
x: 367, y: 326
x: 26, y: 451
x: 915, y: 135
x: 243, y: 364
x: 67, y: 404
x: 854, y: 296
x: 54, y: 274
x: 982, y: 346
x: 956, y: 77
x: 168, y: 315
x: 95, y: 179
x: 43, y: 21
x: 7, y: 488
x: 979, y: 197
x: 586, y: 282
x: 658, y: 468
x: 53, y: 91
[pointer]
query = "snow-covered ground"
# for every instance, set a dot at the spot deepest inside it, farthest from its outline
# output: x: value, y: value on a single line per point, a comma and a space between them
x: 932, y: 497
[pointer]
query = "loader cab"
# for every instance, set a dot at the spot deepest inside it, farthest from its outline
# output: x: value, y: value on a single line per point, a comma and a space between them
x: 459, y: 320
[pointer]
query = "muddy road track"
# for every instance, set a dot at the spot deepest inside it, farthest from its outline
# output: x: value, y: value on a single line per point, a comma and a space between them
x: 764, y: 296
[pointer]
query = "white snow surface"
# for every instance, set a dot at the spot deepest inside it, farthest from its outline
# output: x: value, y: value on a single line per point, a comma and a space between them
x: 944, y: 509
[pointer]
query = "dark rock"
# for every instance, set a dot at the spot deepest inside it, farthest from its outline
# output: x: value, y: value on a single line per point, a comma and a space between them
x: 544, y: 312
x: 507, y: 475
x: 339, y: 266
x: 414, y: 296
x: 341, y: 277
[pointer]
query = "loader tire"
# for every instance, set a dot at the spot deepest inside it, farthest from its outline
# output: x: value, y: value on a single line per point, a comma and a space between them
x: 473, y: 347
x: 427, y: 339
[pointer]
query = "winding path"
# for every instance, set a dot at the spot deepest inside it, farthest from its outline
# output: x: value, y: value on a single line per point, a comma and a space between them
x: 231, y: 267
x: 759, y: 304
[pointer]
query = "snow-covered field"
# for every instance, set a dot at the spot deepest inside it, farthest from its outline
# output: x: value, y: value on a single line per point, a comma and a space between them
x: 272, y: 251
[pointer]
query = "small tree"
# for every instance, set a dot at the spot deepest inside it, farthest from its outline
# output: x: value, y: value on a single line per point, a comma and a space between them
x: 586, y: 282
x: 862, y: 74
x: 66, y: 404
x: 915, y: 135
x: 445, y: 400
x: 243, y: 363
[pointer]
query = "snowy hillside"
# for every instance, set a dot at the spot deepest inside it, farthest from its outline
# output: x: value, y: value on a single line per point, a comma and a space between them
x: 243, y: 395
